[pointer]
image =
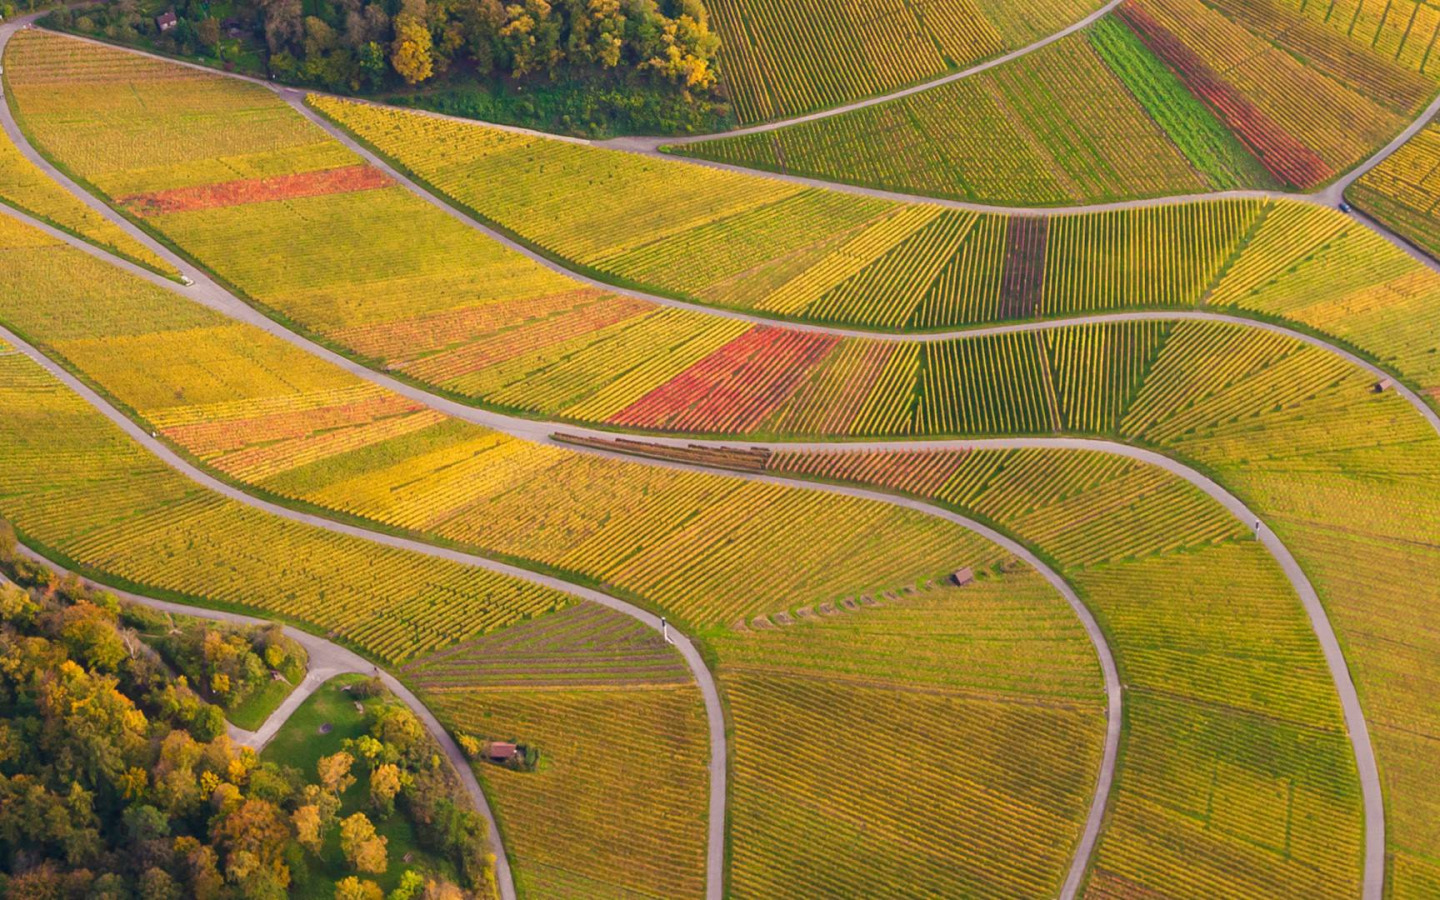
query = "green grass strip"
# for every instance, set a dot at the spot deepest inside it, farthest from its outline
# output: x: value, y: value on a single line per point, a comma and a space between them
x: 1205, y: 141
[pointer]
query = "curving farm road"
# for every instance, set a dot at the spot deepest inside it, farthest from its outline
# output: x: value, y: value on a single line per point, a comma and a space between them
x: 209, y: 293
x: 693, y: 660
x: 326, y: 661
x: 543, y: 431
x: 715, y: 850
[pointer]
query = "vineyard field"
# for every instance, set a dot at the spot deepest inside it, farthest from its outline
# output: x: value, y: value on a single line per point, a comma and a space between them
x: 688, y: 543
x: 1404, y: 190
x: 860, y: 262
x: 26, y: 188
x: 76, y: 485
x: 1052, y: 127
x: 973, y: 687
x: 1220, y: 665
x: 1050, y: 446
x: 266, y: 413
x: 616, y: 806
x: 783, y: 59
x: 1347, y: 477
x: 1243, y: 93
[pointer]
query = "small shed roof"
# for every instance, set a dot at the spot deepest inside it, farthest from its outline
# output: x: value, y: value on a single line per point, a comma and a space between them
x: 501, y: 750
x: 166, y: 20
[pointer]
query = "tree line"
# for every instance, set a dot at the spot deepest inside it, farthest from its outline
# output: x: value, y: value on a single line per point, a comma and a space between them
x: 118, y: 780
x: 365, y: 45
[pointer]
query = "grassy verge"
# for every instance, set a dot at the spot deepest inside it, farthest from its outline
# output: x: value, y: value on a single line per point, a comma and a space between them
x: 252, y: 712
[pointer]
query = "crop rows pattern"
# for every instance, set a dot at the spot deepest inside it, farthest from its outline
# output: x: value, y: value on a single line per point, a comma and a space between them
x: 616, y: 807
x: 691, y: 544
x: 1221, y: 668
x: 783, y: 58
x: 73, y: 483
x: 266, y: 413
x: 26, y: 188
x: 830, y: 257
x: 1346, y: 477
x: 925, y: 716
x: 1404, y: 190
x: 1187, y: 89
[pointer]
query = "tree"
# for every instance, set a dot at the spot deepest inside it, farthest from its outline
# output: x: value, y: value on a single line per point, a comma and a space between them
x: 90, y: 635
x: 353, y: 888
x: 157, y: 884
x: 308, y: 824
x: 384, y: 785
x: 200, y: 868
x: 372, y: 64
x: 363, y: 848
x: 254, y: 835
x: 411, y: 885
x: 16, y: 605
x: 410, y: 54
x: 442, y: 890
x: 283, y: 24
x: 334, y: 772
x: 531, y: 36
x: 208, y: 32
x: 399, y: 728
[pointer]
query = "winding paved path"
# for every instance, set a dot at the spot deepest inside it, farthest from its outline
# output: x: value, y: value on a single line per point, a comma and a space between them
x: 715, y: 849
x: 211, y: 294
x: 206, y: 291
x: 652, y: 143
x: 326, y: 661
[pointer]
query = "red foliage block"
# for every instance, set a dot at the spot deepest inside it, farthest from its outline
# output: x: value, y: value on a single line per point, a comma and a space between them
x: 734, y: 388
x: 1278, y: 151
x: 258, y: 190
x: 1023, y: 283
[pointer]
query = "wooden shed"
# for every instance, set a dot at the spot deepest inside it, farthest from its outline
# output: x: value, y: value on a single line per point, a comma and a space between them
x: 500, y: 751
x: 166, y: 21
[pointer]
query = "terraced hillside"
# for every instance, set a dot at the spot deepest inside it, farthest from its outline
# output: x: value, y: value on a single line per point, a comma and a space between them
x: 1165, y: 97
x: 485, y: 324
x: 909, y: 706
x: 745, y: 243
x: 1237, y: 772
x: 265, y: 414
x: 1341, y: 472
